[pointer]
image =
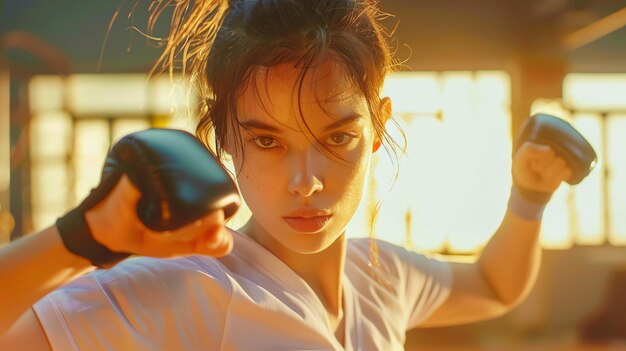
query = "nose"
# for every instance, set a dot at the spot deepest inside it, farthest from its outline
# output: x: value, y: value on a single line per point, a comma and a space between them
x: 306, y: 168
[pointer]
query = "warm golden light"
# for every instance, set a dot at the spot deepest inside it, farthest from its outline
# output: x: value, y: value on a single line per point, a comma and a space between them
x: 616, y: 162
x: 414, y: 92
x: 122, y: 127
x: 91, y: 144
x: 454, y: 181
x: 107, y: 93
x: 592, y: 212
x: 588, y: 196
x: 69, y: 133
x: 50, y: 143
x: 597, y: 92
x: 556, y: 231
x: 574, y: 214
x: 555, y: 226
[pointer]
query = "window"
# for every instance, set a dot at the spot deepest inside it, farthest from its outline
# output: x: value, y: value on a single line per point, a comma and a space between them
x: 592, y: 212
x: 454, y: 182
x: 75, y: 120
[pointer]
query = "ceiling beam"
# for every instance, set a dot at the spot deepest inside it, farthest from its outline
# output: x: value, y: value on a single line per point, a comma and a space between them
x: 596, y: 30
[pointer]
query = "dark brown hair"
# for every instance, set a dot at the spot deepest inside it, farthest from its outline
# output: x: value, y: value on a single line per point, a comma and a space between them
x: 222, y: 42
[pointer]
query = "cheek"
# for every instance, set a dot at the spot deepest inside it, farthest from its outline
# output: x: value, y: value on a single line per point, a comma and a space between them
x: 258, y: 186
x: 350, y: 181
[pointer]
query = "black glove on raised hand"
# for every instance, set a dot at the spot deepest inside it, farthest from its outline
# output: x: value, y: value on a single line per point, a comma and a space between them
x: 179, y: 179
x: 566, y: 141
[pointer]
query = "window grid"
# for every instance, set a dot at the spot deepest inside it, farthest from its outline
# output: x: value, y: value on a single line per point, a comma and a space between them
x: 70, y: 137
x: 435, y: 119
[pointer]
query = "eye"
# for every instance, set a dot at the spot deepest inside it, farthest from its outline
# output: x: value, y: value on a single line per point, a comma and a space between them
x: 263, y: 142
x: 341, y: 139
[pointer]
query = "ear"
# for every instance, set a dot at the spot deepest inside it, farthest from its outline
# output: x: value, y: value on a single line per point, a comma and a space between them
x: 385, y: 114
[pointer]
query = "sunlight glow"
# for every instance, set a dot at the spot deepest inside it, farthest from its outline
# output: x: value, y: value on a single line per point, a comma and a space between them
x: 49, y: 146
x: 69, y: 133
x: 616, y: 139
x: 589, y: 210
x: 556, y: 221
x: 91, y: 143
x: 582, y: 215
x: 599, y: 92
x: 454, y: 181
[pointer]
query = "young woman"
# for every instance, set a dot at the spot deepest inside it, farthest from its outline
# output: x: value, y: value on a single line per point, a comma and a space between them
x: 291, y: 91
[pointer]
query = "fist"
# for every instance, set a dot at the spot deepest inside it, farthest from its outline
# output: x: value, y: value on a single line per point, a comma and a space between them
x: 114, y: 223
x: 537, y: 167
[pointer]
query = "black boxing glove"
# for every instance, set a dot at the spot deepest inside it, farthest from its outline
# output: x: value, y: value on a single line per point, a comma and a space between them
x: 179, y: 179
x: 566, y: 141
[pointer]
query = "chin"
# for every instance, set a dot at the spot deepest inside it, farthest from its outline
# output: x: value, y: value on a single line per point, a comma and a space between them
x: 308, y: 243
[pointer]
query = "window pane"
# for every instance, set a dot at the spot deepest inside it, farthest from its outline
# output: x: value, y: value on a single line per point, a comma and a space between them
x: 556, y: 225
x: 553, y: 107
x: 107, y: 94
x: 416, y: 190
x: 454, y: 181
x: 123, y: 127
x: 168, y: 97
x: 95, y: 100
x: 173, y: 104
x: 91, y: 147
x: 415, y: 92
x: 589, y: 208
x: 493, y: 86
x: 556, y: 231
x: 616, y: 162
x: 46, y: 93
x: 49, y: 189
x: 50, y: 135
x: 602, y: 92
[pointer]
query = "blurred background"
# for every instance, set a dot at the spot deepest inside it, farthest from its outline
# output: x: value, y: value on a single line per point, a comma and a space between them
x: 473, y: 72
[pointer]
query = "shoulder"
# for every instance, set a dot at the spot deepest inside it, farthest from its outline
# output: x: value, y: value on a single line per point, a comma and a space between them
x: 135, y: 298
x: 144, y: 282
x: 414, y: 283
x: 391, y: 256
x: 394, y: 260
x: 173, y: 268
x: 165, y: 275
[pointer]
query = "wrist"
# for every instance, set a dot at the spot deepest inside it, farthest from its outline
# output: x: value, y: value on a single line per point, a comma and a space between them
x: 78, y: 239
x: 51, y: 236
x: 525, y: 206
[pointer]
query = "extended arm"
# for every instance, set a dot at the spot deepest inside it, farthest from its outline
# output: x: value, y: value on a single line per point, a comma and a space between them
x: 507, y: 267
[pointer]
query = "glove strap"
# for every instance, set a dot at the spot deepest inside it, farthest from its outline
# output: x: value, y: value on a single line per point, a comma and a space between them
x: 528, y: 204
x: 76, y: 234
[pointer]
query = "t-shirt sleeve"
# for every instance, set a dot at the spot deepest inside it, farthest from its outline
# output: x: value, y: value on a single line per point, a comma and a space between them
x: 424, y: 282
x: 140, y: 304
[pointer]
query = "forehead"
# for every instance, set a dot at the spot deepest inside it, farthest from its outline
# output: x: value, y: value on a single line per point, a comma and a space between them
x: 284, y: 94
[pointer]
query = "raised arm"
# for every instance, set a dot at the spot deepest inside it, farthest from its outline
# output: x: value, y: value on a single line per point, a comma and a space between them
x: 106, y: 227
x: 508, y: 265
x: 38, y: 263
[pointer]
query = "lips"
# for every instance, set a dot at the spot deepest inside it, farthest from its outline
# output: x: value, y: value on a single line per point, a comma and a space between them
x: 308, y: 219
x: 308, y: 212
x: 308, y: 225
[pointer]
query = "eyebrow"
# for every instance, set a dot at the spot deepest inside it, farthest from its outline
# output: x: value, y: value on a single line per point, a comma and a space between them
x: 258, y: 125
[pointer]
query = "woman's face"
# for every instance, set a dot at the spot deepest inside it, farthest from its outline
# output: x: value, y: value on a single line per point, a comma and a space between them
x: 285, y: 170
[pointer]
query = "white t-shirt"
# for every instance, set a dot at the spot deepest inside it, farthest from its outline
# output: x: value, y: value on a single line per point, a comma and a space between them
x: 248, y: 300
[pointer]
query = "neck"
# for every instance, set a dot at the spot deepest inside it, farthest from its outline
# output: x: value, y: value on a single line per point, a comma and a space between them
x: 323, y: 271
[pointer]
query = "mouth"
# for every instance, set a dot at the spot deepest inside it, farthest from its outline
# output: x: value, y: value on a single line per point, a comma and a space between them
x: 308, y: 225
